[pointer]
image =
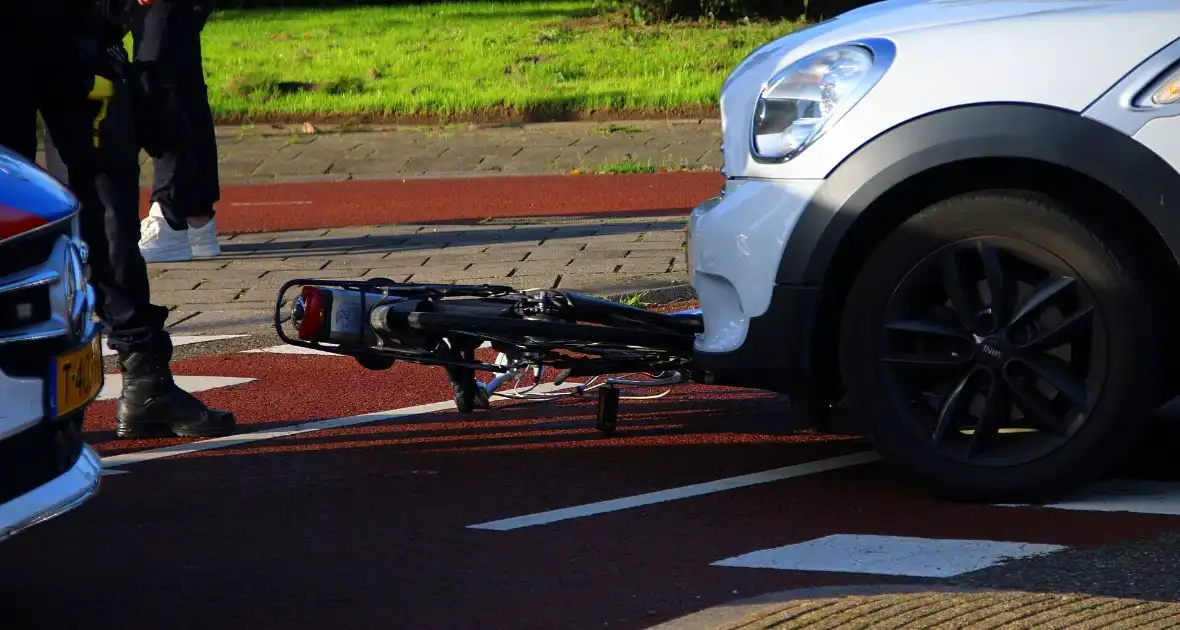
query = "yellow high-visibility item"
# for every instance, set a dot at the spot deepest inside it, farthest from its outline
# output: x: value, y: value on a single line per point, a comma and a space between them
x: 103, y: 90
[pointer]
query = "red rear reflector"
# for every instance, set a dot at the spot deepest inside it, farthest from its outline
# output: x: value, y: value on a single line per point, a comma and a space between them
x: 313, y: 314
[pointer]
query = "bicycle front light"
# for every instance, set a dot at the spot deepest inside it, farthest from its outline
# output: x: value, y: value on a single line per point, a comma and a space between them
x: 812, y: 94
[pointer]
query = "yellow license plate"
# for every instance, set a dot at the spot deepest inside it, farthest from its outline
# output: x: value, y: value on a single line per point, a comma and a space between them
x: 78, y: 377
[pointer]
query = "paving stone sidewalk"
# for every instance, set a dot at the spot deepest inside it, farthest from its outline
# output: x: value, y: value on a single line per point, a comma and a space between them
x: 276, y: 153
x: 236, y: 292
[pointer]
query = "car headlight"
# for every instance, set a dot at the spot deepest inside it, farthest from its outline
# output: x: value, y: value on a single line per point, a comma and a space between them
x: 812, y: 94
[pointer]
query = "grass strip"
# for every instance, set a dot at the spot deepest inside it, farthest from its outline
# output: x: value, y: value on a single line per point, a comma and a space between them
x: 467, y: 62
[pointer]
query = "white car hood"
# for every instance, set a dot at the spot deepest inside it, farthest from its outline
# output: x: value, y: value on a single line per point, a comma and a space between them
x: 891, y: 17
x: 1062, y: 53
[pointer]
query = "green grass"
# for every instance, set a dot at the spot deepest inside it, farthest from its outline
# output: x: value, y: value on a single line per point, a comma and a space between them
x: 465, y: 61
x: 627, y: 166
x: 632, y: 300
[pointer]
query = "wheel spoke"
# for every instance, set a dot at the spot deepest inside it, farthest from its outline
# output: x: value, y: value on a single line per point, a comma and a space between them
x: 1065, y: 332
x: 1057, y: 373
x: 958, y: 289
x: 929, y: 325
x: 952, y: 405
x: 999, y: 284
x: 996, y: 409
x: 1034, y: 406
x: 1041, y: 298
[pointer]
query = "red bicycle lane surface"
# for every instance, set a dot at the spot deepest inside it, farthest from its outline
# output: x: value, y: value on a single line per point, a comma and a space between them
x: 333, y: 204
x: 370, y: 525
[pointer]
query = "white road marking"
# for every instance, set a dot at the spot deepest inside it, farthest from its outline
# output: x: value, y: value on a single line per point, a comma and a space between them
x: 289, y: 349
x: 270, y: 434
x: 106, y: 472
x: 683, y: 492
x: 270, y: 203
x: 182, y: 340
x: 285, y: 348
x: 1122, y: 495
x: 113, y: 383
x: 888, y: 555
x: 126, y: 459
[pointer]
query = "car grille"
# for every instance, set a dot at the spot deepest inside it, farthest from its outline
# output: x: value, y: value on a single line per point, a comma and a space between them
x: 39, y: 454
x: 24, y: 306
x: 34, y: 309
x: 31, y: 249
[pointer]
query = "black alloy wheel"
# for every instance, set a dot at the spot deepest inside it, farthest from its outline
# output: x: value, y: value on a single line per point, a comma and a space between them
x: 995, y: 351
x: 998, y: 348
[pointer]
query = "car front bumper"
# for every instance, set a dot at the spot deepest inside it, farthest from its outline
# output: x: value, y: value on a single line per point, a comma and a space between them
x: 46, y: 468
x: 755, y: 330
x: 52, y: 499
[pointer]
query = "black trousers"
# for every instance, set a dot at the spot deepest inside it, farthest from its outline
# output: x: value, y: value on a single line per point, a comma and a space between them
x: 167, y: 52
x: 106, y: 182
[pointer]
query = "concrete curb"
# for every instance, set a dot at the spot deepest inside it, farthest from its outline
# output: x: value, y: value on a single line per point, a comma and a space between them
x: 279, y: 180
x: 265, y: 129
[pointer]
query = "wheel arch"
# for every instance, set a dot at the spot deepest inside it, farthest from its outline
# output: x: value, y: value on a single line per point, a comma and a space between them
x: 1118, y: 183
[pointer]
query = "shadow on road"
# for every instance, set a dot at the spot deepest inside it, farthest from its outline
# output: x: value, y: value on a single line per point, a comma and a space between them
x: 434, y: 238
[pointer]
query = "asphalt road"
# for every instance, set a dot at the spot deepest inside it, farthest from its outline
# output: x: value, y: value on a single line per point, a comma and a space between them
x: 368, y: 521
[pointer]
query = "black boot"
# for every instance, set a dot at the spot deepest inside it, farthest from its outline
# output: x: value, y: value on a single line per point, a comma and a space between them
x: 152, y: 405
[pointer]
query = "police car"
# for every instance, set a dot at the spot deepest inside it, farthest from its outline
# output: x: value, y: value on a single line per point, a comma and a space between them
x: 50, y: 353
x: 963, y: 218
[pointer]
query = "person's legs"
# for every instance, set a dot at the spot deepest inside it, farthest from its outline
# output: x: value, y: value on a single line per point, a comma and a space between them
x: 202, y: 136
x: 167, y: 38
x: 106, y: 182
x: 18, y: 108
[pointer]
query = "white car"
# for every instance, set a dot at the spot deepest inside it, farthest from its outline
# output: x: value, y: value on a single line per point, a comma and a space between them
x: 50, y: 354
x: 963, y: 216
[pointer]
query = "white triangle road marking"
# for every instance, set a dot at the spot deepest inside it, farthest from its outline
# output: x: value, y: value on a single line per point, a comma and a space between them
x: 181, y: 340
x: 113, y: 383
x: 888, y: 555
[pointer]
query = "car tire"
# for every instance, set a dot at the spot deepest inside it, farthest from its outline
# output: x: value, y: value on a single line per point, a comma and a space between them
x: 904, y: 354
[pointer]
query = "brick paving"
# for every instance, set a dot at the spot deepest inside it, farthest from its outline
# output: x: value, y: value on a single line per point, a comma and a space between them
x: 930, y: 608
x: 236, y: 292
x: 276, y: 153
